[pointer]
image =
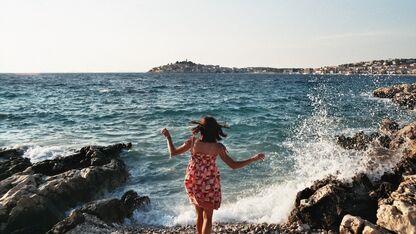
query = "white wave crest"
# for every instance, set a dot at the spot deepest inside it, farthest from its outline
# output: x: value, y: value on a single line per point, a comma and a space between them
x: 316, y: 155
x: 40, y: 153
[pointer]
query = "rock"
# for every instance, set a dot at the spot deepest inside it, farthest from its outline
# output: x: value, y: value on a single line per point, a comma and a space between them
x: 37, y: 198
x: 87, y: 156
x: 331, y: 199
x: 407, y: 100
x: 391, y: 91
x: 106, y: 210
x: 13, y: 165
x: 84, y: 223
x: 115, y: 210
x: 403, y: 136
x: 397, y: 213
x: 388, y: 127
x: 74, y: 219
x: 11, y: 153
x: 360, y: 140
x: 356, y: 225
x: 404, y: 95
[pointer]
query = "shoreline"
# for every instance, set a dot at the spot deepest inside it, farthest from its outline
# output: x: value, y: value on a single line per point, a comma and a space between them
x: 50, y: 188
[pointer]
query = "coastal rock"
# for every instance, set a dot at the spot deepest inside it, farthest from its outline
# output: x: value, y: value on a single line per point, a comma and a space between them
x: 388, y: 127
x: 405, y: 136
x: 13, y: 165
x: 106, y: 211
x: 115, y: 210
x: 397, y: 213
x: 37, y: 198
x: 360, y: 140
x: 79, y: 222
x: 407, y: 100
x: 11, y: 153
x: 356, y: 225
x: 87, y: 156
x: 391, y: 91
x: 324, y: 204
x: 404, y: 94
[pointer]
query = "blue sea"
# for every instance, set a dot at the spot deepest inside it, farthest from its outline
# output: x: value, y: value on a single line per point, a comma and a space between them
x: 293, y: 119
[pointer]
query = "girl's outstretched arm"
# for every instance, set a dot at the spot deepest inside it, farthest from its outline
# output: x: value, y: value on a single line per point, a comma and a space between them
x: 171, y: 147
x: 238, y: 164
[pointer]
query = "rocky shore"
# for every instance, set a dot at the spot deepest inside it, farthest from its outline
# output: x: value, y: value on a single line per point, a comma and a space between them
x: 404, y: 94
x: 36, y: 197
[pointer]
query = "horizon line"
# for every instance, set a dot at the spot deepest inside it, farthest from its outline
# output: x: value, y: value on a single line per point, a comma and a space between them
x: 98, y: 72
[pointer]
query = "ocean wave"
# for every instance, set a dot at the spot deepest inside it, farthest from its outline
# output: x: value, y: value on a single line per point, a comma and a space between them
x: 316, y: 155
x: 40, y: 153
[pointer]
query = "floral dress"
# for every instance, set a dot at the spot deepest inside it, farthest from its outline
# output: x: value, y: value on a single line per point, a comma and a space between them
x: 202, y: 179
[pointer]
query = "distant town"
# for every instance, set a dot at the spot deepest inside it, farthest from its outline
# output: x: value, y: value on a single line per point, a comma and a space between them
x: 375, y: 67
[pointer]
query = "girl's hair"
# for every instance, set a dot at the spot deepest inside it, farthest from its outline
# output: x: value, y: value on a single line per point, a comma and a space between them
x: 209, y: 128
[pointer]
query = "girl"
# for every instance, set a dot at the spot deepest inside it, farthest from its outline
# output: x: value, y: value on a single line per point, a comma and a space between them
x: 202, y: 179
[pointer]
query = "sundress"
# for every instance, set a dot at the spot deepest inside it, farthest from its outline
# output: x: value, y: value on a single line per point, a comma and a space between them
x: 202, y: 179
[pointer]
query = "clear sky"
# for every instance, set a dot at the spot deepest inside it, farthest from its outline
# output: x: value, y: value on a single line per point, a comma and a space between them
x: 135, y: 35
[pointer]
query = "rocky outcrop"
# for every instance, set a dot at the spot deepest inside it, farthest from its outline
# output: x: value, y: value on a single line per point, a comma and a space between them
x: 361, y: 141
x: 101, y: 213
x: 388, y: 127
x: 13, y: 165
x: 11, y: 153
x: 356, y: 225
x: 35, y: 199
x: 390, y: 198
x: 323, y: 205
x: 404, y: 94
x: 398, y: 212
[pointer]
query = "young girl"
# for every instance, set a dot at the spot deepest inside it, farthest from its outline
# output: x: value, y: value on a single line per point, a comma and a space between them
x: 202, y: 179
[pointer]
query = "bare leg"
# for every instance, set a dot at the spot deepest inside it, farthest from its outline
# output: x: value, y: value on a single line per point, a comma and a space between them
x: 199, y: 218
x: 206, y: 228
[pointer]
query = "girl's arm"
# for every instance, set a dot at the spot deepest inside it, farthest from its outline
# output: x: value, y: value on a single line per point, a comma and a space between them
x: 238, y: 164
x: 171, y: 147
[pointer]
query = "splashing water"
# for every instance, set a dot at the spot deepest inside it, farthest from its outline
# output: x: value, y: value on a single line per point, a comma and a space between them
x: 292, y: 119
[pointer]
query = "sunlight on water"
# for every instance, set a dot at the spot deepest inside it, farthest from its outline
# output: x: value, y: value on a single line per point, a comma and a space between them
x: 292, y: 119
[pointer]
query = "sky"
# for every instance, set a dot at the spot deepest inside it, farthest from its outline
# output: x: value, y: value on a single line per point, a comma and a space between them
x: 136, y: 35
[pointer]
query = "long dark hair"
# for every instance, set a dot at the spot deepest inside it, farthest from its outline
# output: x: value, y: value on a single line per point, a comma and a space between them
x: 210, y: 129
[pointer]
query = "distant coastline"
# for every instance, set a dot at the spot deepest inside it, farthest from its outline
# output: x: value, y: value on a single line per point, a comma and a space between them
x: 374, y: 67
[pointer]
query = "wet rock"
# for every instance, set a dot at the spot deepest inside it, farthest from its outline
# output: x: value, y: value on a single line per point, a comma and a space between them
x: 391, y: 91
x: 356, y: 225
x: 404, y: 95
x: 79, y: 222
x: 397, y: 213
x: 107, y: 210
x: 37, y: 198
x: 404, y: 136
x: 388, y: 127
x: 11, y: 153
x: 331, y: 199
x: 74, y: 219
x: 406, y: 100
x: 13, y: 165
x: 87, y: 156
x: 359, y: 141
x: 115, y: 210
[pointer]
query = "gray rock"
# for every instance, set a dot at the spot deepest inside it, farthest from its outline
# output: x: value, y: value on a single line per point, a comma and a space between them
x: 38, y: 197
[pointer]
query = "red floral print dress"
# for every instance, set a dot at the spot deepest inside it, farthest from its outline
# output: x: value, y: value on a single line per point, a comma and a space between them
x: 202, y: 179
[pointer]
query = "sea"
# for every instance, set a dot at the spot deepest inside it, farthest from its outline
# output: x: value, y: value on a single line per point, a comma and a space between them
x: 292, y: 119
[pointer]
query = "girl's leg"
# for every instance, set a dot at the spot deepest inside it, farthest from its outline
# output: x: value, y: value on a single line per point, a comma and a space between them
x: 199, y: 218
x: 206, y: 228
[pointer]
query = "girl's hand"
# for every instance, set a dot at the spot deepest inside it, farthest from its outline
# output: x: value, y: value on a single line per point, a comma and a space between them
x: 259, y: 156
x: 165, y: 133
